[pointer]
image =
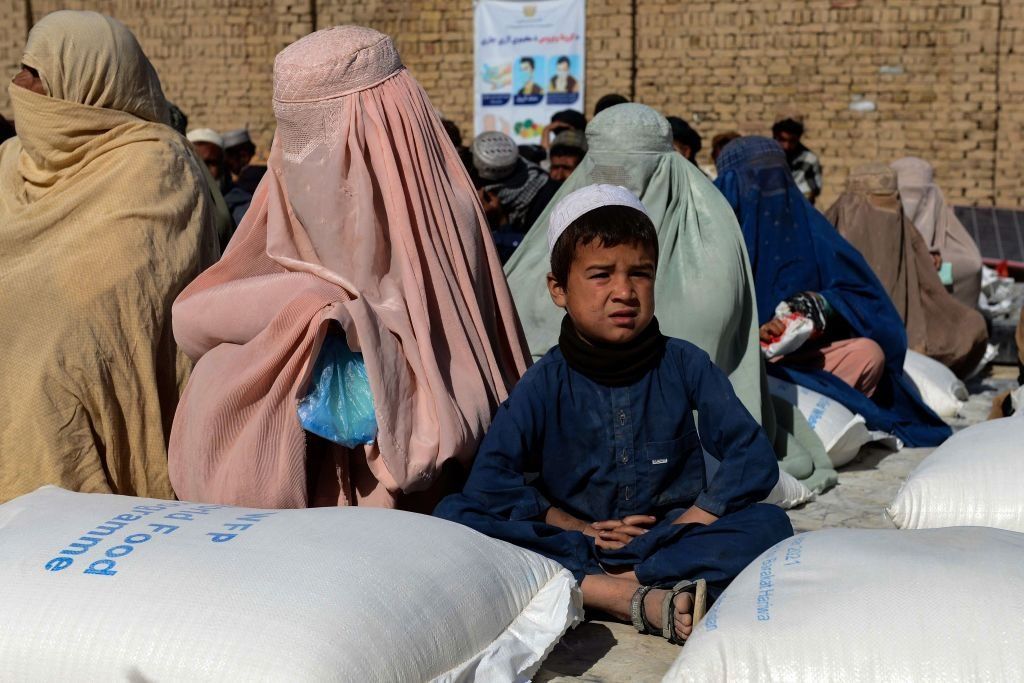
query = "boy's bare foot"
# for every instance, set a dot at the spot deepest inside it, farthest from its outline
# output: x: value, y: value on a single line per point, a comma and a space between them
x: 682, y: 612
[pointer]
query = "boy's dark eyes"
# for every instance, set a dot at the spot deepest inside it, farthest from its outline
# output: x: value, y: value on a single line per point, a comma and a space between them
x: 635, y: 273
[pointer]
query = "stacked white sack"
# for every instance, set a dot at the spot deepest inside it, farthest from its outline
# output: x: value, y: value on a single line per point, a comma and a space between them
x: 976, y: 478
x: 869, y: 605
x: 789, y: 492
x: 940, y: 389
x: 841, y: 431
x: 104, y: 587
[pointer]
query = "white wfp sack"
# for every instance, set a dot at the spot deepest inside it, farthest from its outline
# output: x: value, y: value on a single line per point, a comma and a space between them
x: 869, y: 605
x: 939, y: 387
x: 842, y: 432
x: 105, y: 587
x: 976, y: 478
x: 789, y: 492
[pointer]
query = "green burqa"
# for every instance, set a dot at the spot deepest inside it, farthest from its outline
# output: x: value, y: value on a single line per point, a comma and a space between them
x: 704, y: 290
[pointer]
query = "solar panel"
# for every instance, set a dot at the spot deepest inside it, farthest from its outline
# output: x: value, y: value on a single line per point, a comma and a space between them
x: 997, y: 232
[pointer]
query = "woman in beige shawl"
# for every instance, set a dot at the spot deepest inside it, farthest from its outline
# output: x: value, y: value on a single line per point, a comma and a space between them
x: 102, y: 223
x: 367, y: 225
x: 870, y: 216
x: 944, y: 235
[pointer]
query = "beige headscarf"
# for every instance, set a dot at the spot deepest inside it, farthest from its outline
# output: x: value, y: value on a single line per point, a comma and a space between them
x: 943, y: 233
x: 869, y: 215
x: 102, y: 223
x: 366, y: 219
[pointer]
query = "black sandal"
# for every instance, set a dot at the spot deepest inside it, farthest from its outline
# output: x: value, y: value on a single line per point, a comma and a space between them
x: 698, y: 588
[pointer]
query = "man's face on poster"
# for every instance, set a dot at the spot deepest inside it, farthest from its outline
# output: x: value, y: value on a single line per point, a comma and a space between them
x: 527, y: 69
x: 562, y: 68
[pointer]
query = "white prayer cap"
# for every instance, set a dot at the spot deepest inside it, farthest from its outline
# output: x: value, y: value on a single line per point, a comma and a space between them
x: 586, y: 199
x: 233, y: 138
x: 205, y: 135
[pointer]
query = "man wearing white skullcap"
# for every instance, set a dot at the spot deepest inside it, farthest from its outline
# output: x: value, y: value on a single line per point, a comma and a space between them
x: 512, y: 190
x: 607, y: 420
x: 210, y: 145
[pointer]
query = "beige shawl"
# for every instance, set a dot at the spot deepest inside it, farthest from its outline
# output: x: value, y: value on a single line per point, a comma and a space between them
x: 102, y: 223
x: 365, y: 221
x: 869, y: 215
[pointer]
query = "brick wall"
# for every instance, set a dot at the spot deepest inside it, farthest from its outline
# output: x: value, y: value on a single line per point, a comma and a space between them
x: 946, y: 78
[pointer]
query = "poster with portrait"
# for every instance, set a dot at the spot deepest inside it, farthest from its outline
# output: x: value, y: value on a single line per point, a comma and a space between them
x: 530, y: 63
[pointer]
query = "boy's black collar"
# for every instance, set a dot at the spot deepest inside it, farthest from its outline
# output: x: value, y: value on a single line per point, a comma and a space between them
x: 614, y: 365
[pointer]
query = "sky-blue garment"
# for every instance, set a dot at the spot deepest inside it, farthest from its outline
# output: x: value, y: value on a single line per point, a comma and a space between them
x: 602, y: 453
x: 792, y: 249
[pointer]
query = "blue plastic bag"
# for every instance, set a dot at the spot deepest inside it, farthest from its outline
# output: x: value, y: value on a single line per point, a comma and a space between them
x: 339, y: 404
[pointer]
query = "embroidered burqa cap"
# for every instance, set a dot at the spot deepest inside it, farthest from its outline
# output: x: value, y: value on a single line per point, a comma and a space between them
x: 585, y: 200
x: 367, y: 223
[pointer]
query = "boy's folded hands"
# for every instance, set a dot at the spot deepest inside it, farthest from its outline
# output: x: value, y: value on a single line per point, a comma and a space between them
x: 614, y: 534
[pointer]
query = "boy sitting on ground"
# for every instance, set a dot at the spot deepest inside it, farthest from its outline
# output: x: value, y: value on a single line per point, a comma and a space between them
x: 596, y: 460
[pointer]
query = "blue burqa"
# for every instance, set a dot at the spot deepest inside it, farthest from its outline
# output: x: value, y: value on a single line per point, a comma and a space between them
x: 793, y: 249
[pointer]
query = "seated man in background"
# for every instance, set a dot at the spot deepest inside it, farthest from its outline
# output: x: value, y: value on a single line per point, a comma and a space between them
x: 239, y: 151
x: 803, y: 163
x: 210, y: 147
x: 568, y: 150
x: 512, y: 190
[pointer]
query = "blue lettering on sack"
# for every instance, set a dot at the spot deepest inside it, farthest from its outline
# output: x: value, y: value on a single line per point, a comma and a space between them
x: 793, y: 552
x: 766, y: 587
x: 181, y: 512
x: 248, y: 521
x: 710, y: 622
x: 819, y: 410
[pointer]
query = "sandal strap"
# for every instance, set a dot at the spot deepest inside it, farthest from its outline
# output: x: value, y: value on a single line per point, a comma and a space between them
x: 668, y: 623
x: 636, y: 609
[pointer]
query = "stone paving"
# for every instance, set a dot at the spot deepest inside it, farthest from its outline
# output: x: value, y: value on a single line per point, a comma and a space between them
x: 602, y: 651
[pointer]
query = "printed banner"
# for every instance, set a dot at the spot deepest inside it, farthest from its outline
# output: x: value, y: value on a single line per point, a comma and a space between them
x: 529, y: 64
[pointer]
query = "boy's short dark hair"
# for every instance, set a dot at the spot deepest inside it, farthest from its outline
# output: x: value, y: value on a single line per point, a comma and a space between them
x: 608, y: 225
x: 790, y: 126
x: 563, y: 60
x: 528, y: 60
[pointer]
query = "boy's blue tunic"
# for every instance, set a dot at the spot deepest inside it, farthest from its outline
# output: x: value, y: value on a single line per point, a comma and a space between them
x: 599, y: 453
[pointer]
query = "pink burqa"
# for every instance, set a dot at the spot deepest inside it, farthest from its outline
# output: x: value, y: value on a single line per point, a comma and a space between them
x: 365, y: 217
x: 925, y: 205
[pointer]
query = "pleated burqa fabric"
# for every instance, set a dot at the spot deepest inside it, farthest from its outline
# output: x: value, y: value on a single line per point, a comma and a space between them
x: 104, y: 218
x: 794, y: 249
x: 943, y: 233
x: 365, y: 221
x: 704, y: 288
x: 871, y: 218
